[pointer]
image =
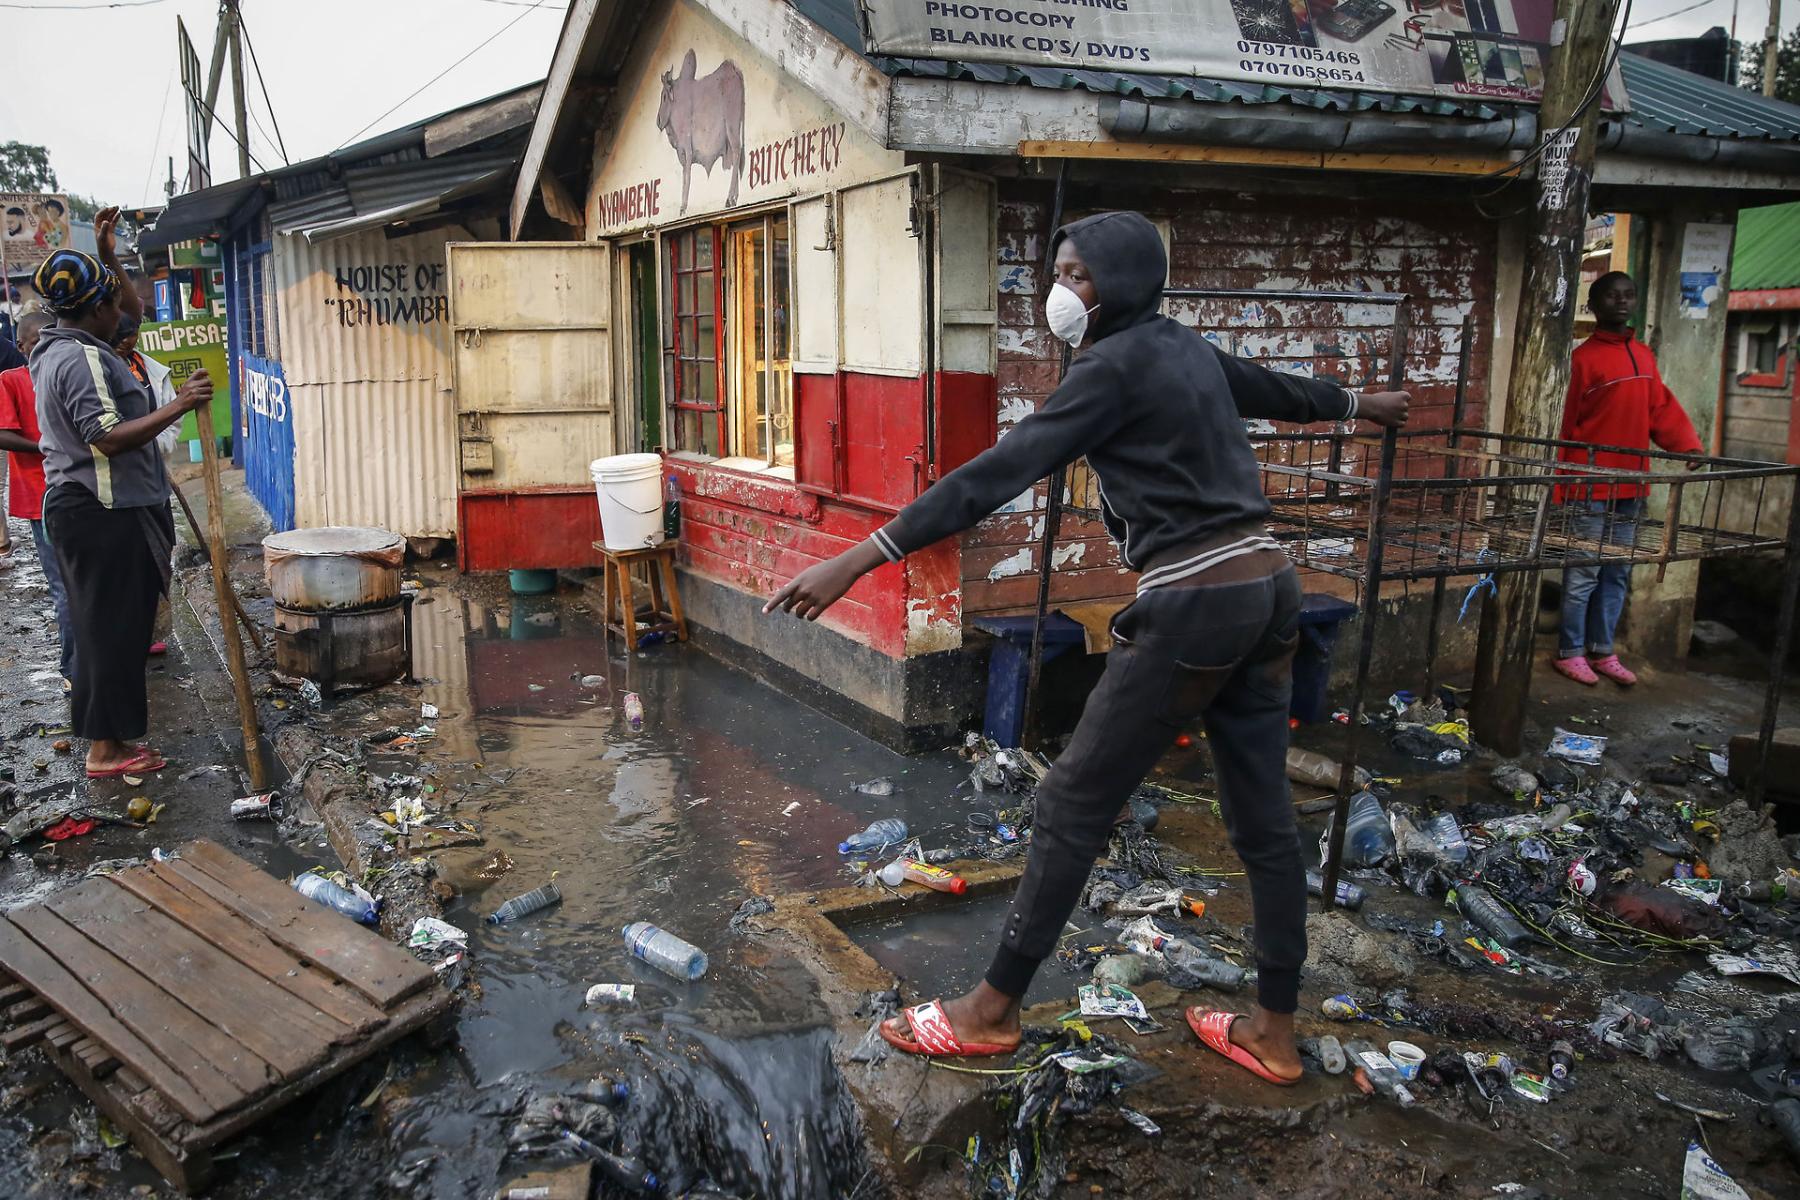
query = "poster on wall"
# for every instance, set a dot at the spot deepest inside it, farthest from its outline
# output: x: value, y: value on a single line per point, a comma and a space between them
x: 1705, y: 252
x: 1493, y: 49
x: 32, y: 227
x: 184, y: 347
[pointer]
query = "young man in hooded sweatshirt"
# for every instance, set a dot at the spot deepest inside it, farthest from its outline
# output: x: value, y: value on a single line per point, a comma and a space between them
x: 1157, y: 411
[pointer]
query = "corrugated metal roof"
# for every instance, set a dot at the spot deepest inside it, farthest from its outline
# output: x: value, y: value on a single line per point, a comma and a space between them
x: 1767, y: 252
x: 385, y: 192
x: 1662, y: 98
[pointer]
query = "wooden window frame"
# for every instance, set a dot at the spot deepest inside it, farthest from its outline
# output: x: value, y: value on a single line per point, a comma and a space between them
x: 673, y: 353
x: 739, y: 425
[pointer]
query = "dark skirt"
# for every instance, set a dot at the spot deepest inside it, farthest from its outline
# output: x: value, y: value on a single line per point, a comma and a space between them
x: 115, y: 566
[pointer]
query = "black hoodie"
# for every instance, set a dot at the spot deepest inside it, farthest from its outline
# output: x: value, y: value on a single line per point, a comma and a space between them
x: 1156, y: 408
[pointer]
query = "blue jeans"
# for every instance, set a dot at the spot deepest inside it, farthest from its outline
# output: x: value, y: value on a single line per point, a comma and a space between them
x: 59, y: 597
x: 1594, y: 595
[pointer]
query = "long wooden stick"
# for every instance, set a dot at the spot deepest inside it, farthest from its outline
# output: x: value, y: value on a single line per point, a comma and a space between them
x: 237, y: 606
x: 234, y: 649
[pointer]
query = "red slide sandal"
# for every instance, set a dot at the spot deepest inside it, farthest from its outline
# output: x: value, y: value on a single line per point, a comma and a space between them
x: 932, y: 1036
x: 1214, y: 1029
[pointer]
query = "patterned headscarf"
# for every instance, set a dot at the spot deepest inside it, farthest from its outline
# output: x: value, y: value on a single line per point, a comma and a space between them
x: 70, y: 281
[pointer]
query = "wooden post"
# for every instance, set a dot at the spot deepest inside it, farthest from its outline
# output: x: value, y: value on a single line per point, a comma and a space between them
x: 1546, y: 325
x: 1772, y: 49
x: 228, y: 629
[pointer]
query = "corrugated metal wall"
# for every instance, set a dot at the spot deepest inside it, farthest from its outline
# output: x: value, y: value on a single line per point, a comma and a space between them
x: 365, y: 344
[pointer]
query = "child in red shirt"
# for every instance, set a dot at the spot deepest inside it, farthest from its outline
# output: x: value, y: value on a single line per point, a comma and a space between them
x: 25, y: 491
x: 1616, y: 398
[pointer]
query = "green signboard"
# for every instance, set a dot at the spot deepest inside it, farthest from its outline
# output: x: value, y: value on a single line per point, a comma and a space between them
x: 186, y: 346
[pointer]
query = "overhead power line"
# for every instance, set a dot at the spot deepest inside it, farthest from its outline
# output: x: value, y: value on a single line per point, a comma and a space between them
x: 459, y: 62
x: 83, y: 7
x: 280, y: 142
x: 1690, y: 8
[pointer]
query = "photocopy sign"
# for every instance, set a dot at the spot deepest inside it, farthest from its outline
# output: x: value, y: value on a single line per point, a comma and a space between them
x: 1479, y: 48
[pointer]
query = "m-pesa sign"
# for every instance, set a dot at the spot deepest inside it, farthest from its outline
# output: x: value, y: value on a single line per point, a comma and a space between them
x: 1491, y: 48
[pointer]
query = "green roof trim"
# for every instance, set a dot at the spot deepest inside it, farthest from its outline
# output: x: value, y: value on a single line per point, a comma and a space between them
x: 1767, y: 252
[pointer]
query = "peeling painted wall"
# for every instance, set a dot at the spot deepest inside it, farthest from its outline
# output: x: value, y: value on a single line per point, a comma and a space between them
x: 1443, y: 256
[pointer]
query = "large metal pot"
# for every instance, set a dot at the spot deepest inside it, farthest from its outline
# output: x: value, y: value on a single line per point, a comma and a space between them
x: 336, y: 568
x: 340, y: 619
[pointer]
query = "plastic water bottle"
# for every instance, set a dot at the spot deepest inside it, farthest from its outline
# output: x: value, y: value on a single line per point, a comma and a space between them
x: 889, y: 831
x: 602, y: 1089
x: 524, y: 906
x: 1368, y: 834
x: 664, y: 951
x: 1447, y: 836
x: 1479, y: 905
x: 1381, y: 1071
x: 935, y: 878
x: 321, y: 890
x: 1349, y: 895
x: 627, y: 1173
x: 1194, y: 962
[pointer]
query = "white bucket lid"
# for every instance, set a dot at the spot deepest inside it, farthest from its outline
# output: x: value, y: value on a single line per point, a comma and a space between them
x: 626, y: 466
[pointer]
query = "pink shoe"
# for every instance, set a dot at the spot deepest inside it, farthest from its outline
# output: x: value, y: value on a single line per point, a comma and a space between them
x: 1577, y: 668
x: 159, y: 648
x: 1613, y: 669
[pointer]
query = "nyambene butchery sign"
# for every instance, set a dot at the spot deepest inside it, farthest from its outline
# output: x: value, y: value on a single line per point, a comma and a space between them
x: 1489, y: 48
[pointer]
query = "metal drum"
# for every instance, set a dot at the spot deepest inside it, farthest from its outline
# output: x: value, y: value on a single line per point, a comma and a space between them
x: 341, y: 619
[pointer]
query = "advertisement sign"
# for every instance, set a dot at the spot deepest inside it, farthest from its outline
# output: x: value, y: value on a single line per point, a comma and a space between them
x: 1494, y: 49
x: 184, y: 347
x: 32, y: 226
x: 268, y: 433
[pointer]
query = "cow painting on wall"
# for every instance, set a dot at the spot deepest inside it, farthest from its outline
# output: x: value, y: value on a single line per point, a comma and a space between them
x: 704, y: 121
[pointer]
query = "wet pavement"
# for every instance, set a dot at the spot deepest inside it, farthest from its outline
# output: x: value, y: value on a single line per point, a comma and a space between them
x: 731, y: 790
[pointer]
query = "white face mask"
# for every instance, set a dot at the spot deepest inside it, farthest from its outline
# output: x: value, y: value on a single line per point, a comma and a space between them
x: 1066, y: 315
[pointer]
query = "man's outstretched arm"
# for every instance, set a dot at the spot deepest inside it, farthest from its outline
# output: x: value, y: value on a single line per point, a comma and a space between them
x: 1280, y: 396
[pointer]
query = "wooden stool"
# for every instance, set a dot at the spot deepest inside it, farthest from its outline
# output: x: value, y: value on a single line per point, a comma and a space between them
x: 665, y: 605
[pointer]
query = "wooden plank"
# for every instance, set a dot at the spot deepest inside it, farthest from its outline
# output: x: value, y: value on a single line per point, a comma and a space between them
x: 63, y: 1034
x: 21, y: 1036
x: 250, y: 946
x: 287, y: 1034
x: 153, y: 1129
x: 12, y: 993
x: 25, y: 1010
x: 373, y: 966
x: 97, y: 1058
x: 202, y: 1071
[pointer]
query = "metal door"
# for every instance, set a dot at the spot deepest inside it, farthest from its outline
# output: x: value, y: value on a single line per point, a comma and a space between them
x: 532, y: 348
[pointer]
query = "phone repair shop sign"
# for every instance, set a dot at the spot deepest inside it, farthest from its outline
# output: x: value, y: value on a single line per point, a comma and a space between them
x: 1495, y: 49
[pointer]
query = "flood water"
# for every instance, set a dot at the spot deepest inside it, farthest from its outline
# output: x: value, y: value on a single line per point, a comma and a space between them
x: 729, y: 790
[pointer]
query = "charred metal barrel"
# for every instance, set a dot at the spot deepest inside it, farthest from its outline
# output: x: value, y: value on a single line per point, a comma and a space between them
x: 341, y: 619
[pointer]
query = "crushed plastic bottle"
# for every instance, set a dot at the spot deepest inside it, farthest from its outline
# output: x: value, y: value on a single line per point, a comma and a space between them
x: 1196, y: 964
x: 1380, y: 1070
x: 1479, y: 906
x: 535, y: 900
x: 634, y: 709
x: 1368, y: 834
x: 935, y: 878
x: 603, y: 1089
x: 627, y: 1173
x: 1447, y: 836
x: 663, y: 950
x: 1349, y: 895
x: 889, y: 831
x: 321, y: 890
x: 1562, y: 1060
x: 1319, y: 770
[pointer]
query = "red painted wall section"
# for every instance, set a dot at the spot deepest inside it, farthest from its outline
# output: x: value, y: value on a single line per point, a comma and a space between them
x: 541, y: 528
x: 1444, y: 256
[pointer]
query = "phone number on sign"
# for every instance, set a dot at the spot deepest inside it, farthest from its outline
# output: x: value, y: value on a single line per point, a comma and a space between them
x: 1308, y: 53
x: 1301, y: 71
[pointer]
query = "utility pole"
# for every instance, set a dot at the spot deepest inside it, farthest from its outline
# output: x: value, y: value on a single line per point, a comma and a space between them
x: 1546, y: 327
x: 1771, y: 46
x: 240, y: 110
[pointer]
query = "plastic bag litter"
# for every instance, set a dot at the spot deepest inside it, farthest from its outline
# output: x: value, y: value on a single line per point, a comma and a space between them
x: 1150, y: 897
x: 1140, y: 1122
x: 1768, y: 960
x: 1704, y: 1179
x: 1736, y: 1044
x: 1706, y: 891
x: 1584, y: 748
x: 429, y: 933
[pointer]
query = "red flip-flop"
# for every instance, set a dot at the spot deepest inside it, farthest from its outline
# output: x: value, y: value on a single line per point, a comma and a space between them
x: 932, y: 1036
x: 137, y: 764
x: 1214, y: 1030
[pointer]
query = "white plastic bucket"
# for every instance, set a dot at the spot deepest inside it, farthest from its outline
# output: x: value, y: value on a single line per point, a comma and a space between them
x: 631, y: 503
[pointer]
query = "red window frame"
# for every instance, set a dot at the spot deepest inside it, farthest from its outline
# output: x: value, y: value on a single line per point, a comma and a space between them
x: 684, y: 358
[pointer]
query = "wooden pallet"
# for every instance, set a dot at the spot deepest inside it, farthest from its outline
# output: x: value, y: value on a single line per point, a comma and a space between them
x: 191, y: 998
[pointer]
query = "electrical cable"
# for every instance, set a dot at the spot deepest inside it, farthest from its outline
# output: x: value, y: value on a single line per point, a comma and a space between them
x: 263, y: 85
x: 227, y: 131
x: 459, y: 62
x: 162, y: 115
x: 1690, y: 8
x: 82, y: 7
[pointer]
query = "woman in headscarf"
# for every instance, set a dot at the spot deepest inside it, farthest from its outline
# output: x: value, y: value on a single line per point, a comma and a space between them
x: 106, y: 506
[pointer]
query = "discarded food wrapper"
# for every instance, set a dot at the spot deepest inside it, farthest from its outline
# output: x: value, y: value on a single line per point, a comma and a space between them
x: 1707, y: 891
x: 1530, y: 1086
x: 428, y: 933
x: 1769, y: 960
x: 1341, y: 1008
x: 593, y: 682
x: 309, y: 691
x: 261, y: 806
x: 789, y: 810
x: 1582, y: 748
x: 611, y: 993
x: 1077, y: 1063
x: 876, y: 787
x: 428, y: 712
x: 1140, y: 1122
x: 1704, y: 1179
x: 1719, y: 763
x: 1112, y: 1001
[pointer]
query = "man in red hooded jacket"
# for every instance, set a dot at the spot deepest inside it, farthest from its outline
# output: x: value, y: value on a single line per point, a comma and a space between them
x: 1616, y: 399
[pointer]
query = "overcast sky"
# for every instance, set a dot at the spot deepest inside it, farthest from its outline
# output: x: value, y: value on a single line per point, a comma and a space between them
x: 334, y: 66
